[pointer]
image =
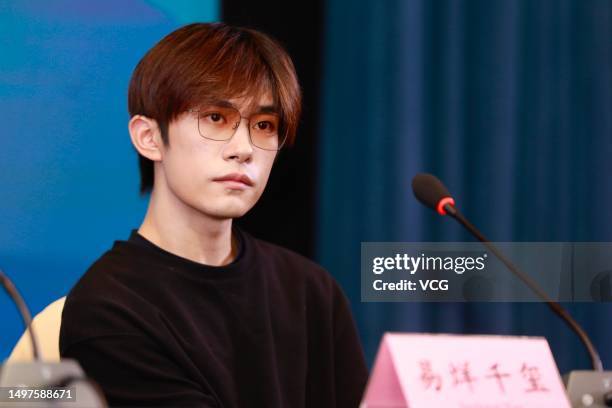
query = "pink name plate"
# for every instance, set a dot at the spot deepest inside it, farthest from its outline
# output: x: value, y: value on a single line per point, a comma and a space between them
x: 441, y: 370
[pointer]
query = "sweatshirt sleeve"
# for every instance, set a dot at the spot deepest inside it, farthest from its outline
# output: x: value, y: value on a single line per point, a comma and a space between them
x: 351, y: 372
x: 116, y: 350
x: 132, y: 371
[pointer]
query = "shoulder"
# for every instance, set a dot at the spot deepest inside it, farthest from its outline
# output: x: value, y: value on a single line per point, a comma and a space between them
x: 103, y: 301
x: 285, y: 256
x: 286, y: 264
x: 281, y: 256
x: 109, y: 274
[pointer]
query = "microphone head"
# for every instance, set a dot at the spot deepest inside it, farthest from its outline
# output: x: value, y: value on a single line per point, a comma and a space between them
x: 431, y: 192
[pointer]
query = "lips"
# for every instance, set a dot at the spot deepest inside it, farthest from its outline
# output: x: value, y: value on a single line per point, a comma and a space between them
x: 236, y: 177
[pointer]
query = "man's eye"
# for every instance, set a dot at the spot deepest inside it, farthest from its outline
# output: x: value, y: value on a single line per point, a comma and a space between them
x: 214, y: 117
x: 265, y: 126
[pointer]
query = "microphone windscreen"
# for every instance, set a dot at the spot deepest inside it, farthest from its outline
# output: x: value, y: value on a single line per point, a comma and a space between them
x: 429, y: 190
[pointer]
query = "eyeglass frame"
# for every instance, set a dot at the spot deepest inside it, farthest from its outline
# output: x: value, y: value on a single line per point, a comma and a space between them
x: 237, y: 125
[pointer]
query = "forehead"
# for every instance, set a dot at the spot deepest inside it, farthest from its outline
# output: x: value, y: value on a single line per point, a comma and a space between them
x: 252, y: 104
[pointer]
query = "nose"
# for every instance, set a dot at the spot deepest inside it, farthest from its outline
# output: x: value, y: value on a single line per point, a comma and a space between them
x: 239, y: 147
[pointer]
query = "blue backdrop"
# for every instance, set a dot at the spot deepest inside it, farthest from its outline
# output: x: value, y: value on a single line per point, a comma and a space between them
x: 508, y: 102
x: 68, y: 174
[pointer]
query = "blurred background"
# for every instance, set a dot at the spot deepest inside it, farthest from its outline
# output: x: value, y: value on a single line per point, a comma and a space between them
x: 509, y: 102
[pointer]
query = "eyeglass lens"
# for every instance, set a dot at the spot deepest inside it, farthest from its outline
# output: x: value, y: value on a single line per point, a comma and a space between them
x: 220, y: 123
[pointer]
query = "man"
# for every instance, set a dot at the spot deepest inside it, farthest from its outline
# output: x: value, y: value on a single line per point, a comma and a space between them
x: 190, y: 310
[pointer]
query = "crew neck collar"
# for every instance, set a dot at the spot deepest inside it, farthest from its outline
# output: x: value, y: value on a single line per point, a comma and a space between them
x: 174, y: 262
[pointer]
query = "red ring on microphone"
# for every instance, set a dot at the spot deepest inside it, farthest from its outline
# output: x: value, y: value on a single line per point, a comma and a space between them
x: 443, y: 202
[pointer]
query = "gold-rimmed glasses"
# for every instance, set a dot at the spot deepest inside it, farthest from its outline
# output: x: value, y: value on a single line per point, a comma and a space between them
x: 221, y: 122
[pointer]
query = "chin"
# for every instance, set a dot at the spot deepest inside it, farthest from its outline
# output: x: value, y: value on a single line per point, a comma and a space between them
x: 228, y: 210
x: 232, y: 214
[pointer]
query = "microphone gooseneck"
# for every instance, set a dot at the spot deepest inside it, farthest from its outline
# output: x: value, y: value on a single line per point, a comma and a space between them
x: 430, y: 191
x: 23, y: 310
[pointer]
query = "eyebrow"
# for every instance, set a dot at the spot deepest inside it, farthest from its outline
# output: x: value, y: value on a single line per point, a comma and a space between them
x: 273, y: 109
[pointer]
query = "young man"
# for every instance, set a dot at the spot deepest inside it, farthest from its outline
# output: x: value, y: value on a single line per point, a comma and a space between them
x: 190, y: 310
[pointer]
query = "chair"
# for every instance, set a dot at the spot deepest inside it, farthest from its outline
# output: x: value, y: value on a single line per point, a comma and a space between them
x: 46, y: 326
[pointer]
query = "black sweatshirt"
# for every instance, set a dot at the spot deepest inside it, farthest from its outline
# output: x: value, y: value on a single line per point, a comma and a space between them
x: 271, y: 329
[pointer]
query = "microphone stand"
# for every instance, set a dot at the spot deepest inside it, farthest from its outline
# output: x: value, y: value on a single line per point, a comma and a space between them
x: 553, y: 305
x: 585, y: 388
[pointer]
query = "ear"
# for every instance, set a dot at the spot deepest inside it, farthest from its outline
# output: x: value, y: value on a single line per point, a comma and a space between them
x: 146, y: 137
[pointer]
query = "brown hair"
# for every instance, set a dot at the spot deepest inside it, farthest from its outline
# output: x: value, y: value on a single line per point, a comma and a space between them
x: 211, y: 61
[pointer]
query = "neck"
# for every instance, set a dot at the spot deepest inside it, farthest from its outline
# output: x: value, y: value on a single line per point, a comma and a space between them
x: 184, y: 231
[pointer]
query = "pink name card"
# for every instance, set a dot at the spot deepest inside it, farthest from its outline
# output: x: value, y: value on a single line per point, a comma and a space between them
x: 441, y: 370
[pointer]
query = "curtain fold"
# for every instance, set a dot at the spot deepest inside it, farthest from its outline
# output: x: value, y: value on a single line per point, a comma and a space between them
x: 508, y: 102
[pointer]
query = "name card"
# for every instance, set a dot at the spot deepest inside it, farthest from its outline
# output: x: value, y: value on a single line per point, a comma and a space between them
x: 440, y: 370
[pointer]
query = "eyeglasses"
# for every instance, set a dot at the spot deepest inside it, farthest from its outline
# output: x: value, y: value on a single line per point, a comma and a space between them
x: 220, y: 123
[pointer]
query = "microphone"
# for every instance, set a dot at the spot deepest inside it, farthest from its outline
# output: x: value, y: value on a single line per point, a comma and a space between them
x: 430, y: 191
